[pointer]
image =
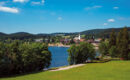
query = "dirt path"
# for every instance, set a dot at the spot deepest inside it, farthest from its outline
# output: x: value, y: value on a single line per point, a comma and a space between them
x: 68, y: 67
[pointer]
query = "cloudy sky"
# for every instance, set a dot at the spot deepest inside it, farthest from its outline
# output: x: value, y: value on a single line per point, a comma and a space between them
x: 48, y: 16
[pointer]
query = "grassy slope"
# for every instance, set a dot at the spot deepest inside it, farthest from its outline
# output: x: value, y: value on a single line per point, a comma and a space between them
x: 114, y: 70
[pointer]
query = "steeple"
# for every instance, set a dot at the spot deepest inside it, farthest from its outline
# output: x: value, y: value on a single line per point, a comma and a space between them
x: 79, y: 37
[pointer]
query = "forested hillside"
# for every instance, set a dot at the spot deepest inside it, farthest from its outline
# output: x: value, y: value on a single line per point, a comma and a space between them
x: 98, y: 33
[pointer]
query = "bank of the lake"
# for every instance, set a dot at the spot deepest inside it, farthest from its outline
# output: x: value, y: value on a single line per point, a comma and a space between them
x: 58, y: 45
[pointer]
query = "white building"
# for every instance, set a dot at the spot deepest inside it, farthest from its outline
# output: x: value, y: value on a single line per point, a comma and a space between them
x: 77, y: 38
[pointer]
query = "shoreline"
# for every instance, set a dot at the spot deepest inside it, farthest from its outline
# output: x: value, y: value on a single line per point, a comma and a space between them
x: 58, y: 45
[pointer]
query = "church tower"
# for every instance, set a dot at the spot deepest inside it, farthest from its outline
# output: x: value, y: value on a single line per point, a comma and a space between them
x: 79, y: 37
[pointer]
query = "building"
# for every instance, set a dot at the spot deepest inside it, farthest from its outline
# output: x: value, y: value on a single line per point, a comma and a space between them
x: 82, y: 40
x: 98, y: 40
x: 39, y: 40
x: 77, y: 38
x: 65, y: 41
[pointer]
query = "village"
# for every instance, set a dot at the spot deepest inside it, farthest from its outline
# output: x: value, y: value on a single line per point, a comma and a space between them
x: 67, y: 41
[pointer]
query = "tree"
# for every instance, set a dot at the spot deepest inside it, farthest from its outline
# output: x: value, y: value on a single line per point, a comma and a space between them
x: 119, y: 43
x: 123, y: 43
x: 80, y: 53
x: 104, y: 48
x: 72, y: 54
x: 72, y: 41
x: 17, y: 57
x: 129, y: 56
x: 112, y: 40
x: 113, y: 51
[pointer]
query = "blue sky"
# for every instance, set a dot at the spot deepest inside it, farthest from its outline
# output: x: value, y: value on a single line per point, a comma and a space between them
x: 48, y: 16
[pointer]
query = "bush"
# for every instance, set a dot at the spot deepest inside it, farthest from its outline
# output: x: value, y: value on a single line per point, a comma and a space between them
x: 80, y: 53
x: 17, y: 57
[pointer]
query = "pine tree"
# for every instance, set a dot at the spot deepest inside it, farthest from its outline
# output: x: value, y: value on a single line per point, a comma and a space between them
x: 119, y: 43
x: 123, y: 43
x: 112, y: 40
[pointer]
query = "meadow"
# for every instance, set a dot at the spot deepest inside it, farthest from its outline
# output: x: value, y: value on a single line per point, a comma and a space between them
x: 113, y: 70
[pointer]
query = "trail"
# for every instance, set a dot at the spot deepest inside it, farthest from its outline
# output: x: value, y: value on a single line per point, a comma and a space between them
x: 68, y: 67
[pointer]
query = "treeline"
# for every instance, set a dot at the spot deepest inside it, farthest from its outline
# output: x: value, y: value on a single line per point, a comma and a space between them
x: 18, y: 57
x: 118, y: 45
x: 97, y: 33
x: 102, y: 33
x: 80, y: 53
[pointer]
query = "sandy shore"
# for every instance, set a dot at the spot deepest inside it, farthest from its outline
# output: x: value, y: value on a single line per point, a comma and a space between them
x: 68, y: 67
x: 59, y: 45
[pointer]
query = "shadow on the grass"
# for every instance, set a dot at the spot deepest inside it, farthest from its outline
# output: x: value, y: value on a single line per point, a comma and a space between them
x: 22, y: 74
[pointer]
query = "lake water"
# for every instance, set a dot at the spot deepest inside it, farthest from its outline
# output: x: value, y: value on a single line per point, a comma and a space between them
x: 59, y: 56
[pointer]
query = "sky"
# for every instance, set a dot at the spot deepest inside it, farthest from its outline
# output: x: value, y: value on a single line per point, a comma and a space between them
x: 49, y: 16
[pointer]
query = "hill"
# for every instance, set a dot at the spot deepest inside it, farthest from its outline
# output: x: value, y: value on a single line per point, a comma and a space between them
x: 98, y: 33
x: 102, y: 32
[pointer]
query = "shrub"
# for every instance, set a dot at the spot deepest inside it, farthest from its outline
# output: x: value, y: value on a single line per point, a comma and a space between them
x: 17, y: 57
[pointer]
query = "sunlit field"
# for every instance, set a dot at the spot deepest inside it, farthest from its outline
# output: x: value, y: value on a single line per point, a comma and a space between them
x: 113, y: 70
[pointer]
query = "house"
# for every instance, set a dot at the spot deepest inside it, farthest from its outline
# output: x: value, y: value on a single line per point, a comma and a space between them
x: 39, y: 40
x: 82, y: 40
x: 90, y: 41
x: 98, y: 40
x: 95, y: 42
x: 65, y: 41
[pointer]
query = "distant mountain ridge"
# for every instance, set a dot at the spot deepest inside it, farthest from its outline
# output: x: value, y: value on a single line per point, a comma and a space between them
x: 96, y: 32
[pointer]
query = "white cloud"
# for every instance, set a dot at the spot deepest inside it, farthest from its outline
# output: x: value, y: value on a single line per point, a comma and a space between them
x: 40, y: 3
x: 43, y: 1
x: 21, y: 1
x: 105, y: 24
x: 93, y: 7
x: 111, y: 20
x: 8, y: 9
x: 60, y: 18
x: 116, y: 8
x: 36, y: 3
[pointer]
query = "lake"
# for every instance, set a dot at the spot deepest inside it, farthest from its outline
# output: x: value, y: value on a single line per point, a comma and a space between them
x: 59, y: 56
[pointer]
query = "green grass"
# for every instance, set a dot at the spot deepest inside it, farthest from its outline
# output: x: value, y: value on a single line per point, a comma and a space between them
x: 113, y: 70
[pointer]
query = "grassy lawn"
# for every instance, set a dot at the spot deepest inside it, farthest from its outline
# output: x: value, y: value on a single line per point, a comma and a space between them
x: 113, y: 70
